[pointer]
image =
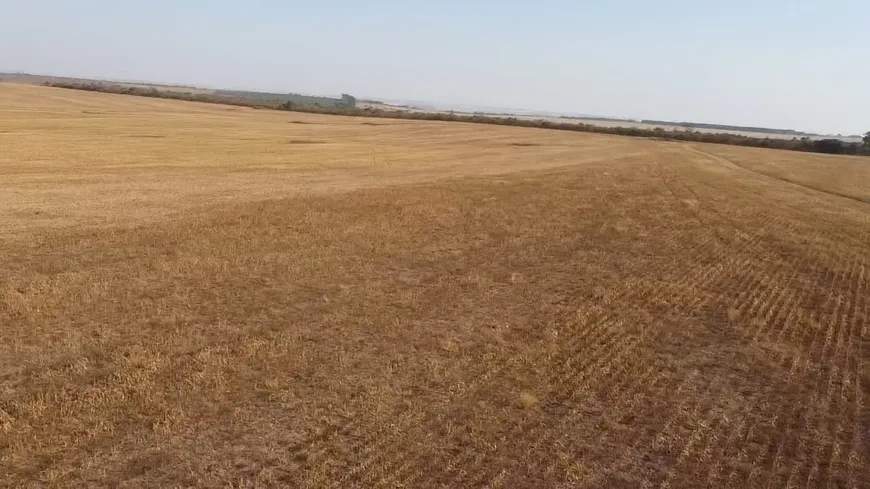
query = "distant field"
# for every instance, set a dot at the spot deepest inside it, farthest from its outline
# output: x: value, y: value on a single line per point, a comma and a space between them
x: 253, y: 97
x: 604, y: 122
x: 210, y: 296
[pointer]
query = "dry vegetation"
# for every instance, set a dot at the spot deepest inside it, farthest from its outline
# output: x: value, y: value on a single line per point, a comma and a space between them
x: 196, y: 295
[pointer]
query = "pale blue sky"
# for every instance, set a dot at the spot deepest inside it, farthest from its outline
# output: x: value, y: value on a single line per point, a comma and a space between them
x: 796, y: 64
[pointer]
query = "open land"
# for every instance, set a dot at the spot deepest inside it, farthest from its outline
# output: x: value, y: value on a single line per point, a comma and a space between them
x: 196, y: 295
x: 527, y: 116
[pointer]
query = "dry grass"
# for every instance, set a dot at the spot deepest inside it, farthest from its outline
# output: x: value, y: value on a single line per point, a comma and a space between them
x: 191, y: 297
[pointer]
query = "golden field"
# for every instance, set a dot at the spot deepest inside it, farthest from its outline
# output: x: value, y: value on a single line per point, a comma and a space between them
x: 205, y: 296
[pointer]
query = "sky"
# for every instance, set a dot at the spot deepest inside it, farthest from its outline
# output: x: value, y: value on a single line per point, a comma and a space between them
x: 796, y: 64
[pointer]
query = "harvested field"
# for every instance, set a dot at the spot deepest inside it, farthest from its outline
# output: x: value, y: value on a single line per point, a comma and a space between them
x: 205, y: 296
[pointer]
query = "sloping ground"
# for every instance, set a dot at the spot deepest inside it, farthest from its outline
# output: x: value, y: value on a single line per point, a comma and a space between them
x: 843, y: 176
x: 419, y: 304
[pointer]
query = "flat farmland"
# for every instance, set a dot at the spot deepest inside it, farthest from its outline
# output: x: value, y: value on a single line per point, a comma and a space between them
x: 196, y: 295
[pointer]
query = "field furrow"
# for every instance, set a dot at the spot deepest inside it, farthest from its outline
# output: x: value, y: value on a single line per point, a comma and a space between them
x: 204, y: 296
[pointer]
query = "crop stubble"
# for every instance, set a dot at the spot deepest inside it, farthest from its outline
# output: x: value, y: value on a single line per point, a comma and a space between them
x: 191, y: 297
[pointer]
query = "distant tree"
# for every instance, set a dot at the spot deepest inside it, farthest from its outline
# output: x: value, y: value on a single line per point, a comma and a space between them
x: 348, y: 100
x: 831, y: 146
x: 867, y: 140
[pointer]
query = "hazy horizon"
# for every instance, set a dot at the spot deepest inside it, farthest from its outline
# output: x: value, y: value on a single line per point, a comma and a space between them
x: 784, y: 65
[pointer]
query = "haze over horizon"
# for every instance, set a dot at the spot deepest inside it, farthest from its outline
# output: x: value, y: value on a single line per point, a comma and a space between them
x: 788, y: 65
